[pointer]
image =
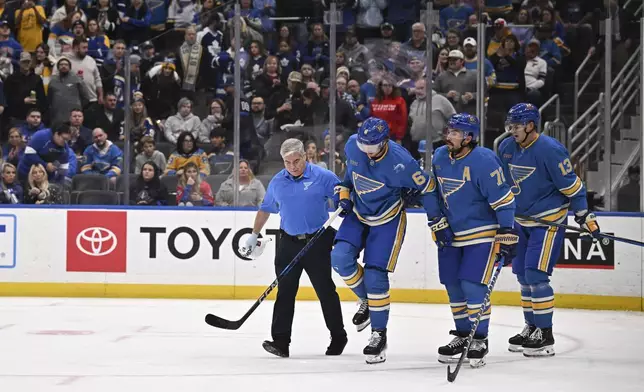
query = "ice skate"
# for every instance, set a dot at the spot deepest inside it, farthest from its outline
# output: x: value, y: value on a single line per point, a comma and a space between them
x: 540, y: 344
x: 516, y: 342
x: 361, y: 319
x: 451, y: 351
x: 376, y: 350
x: 477, y: 352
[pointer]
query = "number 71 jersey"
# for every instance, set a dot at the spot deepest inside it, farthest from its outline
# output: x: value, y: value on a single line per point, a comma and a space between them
x: 543, y: 181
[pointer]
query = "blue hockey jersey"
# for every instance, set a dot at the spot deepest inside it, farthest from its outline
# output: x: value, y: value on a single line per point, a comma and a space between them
x: 42, y: 149
x: 107, y: 161
x: 378, y: 185
x: 542, y: 178
x: 475, y: 196
x: 455, y: 17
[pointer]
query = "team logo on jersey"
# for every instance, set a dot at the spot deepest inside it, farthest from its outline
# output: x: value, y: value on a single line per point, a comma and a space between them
x: 449, y: 186
x: 519, y: 174
x: 364, y: 185
x: 307, y: 185
x: 380, y: 128
x: 399, y: 167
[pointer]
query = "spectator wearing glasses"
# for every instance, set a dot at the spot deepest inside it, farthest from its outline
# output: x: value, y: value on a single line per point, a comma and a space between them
x: 391, y: 107
x: 417, y: 45
x: 187, y: 152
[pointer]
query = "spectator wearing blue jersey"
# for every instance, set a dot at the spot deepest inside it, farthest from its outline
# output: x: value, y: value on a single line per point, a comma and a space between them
x: 317, y: 50
x: 455, y: 16
x: 509, y: 64
x: 136, y: 22
x: 549, y: 50
x: 33, y: 123
x: 103, y: 157
x: 49, y: 149
x: 471, y: 61
x: 9, y: 47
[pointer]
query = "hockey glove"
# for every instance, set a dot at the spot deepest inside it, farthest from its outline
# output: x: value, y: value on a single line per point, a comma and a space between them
x: 441, y: 232
x: 506, y: 241
x: 411, y: 197
x: 249, y: 247
x: 344, y: 200
x: 588, y: 221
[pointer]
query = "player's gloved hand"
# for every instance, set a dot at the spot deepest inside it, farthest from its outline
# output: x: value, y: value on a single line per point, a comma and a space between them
x: 588, y: 221
x: 441, y: 232
x: 249, y: 246
x: 346, y: 205
x: 410, y: 197
x: 344, y: 200
x: 506, y: 240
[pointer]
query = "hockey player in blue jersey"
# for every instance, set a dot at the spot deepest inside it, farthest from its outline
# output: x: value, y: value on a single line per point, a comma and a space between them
x: 479, y: 208
x: 379, y: 172
x: 545, y: 186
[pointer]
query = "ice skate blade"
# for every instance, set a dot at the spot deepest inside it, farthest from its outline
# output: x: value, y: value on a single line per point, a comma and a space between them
x: 515, y: 348
x: 477, y: 362
x: 374, y: 359
x: 361, y: 327
x: 547, y: 351
x: 447, y: 359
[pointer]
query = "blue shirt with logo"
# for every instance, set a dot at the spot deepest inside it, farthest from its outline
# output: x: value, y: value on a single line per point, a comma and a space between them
x: 301, y: 202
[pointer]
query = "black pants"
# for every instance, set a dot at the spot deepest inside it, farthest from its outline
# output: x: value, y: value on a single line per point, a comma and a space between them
x: 317, y: 264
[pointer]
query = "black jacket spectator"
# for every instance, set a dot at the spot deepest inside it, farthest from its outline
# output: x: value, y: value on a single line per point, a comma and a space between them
x: 161, y: 92
x: 19, y: 86
x: 107, y: 17
x: 96, y: 117
x: 150, y: 192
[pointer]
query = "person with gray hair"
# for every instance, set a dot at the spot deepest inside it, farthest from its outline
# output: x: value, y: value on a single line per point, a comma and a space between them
x: 300, y: 194
x: 184, y: 120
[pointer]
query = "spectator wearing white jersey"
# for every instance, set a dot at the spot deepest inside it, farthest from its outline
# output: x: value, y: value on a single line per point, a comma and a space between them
x: 536, y: 70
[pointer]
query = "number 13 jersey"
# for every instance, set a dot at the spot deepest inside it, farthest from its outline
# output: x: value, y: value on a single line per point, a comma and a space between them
x: 542, y: 178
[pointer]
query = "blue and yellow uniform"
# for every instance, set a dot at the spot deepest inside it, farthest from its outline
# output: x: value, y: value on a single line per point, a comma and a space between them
x: 545, y: 186
x: 106, y: 160
x: 378, y: 220
x: 477, y: 202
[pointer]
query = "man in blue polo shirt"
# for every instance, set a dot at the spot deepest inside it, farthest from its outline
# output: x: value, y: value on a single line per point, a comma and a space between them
x: 300, y: 194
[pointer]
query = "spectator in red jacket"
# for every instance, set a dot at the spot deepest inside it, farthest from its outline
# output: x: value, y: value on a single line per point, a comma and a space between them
x: 390, y: 106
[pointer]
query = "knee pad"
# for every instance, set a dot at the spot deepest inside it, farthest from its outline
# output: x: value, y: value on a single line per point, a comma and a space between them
x: 376, y: 280
x: 535, y: 277
x: 343, y: 258
x: 522, y: 280
x: 474, y: 292
x: 455, y: 293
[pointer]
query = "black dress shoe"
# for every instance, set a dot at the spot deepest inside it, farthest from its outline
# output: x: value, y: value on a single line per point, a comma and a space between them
x: 275, y: 348
x: 337, y: 345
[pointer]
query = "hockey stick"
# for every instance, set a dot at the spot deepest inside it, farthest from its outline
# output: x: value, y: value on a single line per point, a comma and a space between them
x: 579, y: 230
x: 219, y: 322
x: 451, y: 376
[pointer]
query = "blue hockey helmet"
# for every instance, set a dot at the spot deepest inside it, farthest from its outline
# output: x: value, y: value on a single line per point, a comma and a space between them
x: 522, y: 113
x: 469, y: 124
x: 372, y: 135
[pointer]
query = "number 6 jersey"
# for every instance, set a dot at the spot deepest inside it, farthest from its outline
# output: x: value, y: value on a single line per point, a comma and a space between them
x: 378, y: 184
x: 543, y: 180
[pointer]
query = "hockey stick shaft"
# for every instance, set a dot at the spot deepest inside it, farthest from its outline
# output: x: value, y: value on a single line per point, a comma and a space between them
x: 219, y: 322
x: 580, y: 230
x: 451, y: 376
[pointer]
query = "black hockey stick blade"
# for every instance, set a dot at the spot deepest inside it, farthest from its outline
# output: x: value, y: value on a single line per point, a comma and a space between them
x: 451, y: 376
x: 219, y: 322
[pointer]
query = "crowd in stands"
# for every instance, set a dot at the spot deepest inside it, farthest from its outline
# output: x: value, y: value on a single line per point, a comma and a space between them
x: 63, y: 85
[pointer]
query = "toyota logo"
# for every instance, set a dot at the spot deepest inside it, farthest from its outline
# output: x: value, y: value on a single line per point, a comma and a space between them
x: 99, y: 240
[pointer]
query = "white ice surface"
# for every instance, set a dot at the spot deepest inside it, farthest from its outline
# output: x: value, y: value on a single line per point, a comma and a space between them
x: 122, y: 345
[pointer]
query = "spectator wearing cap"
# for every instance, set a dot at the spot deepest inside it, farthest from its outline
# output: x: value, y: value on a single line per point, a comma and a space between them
x: 24, y: 90
x: 510, y: 75
x: 66, y: 91
x: 149, y: 58
x: 400, y: 16
x: 85, y: 68
x: 387, y: 34
x: 370, y: 17
x: 356, y: 55
x: 628, y: 196
x: 136, y: 22
x: 455, y: 16
x: 501, y: 30
x: 536, y: 70
x: 498, y: 8
x: 98, y: 44
x: 160, y: 87
x: 458, y: 84
x: 30, y: 19
x: 285, y: 105
x: 471, y: 61
x: 417, y: 44
x: 317, y: 51
x: 390, y: 106
x: 107, y: 17
x: 78, y: 29
x: 9, y: 47
x: 182, y: 121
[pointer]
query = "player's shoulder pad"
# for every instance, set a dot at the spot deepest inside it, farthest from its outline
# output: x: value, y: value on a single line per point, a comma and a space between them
x: 507, y: 144
x: 550, y: 143
x: 485, y: 159
x: 441, y: 153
